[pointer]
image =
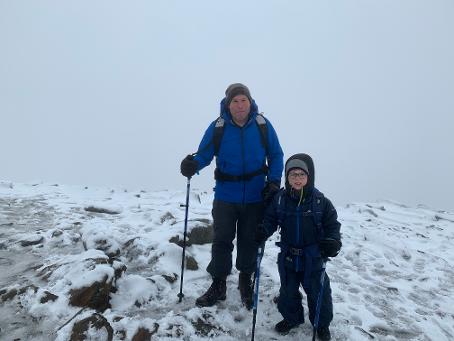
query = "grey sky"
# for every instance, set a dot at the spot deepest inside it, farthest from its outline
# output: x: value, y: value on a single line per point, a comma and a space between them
x: 116, y: 93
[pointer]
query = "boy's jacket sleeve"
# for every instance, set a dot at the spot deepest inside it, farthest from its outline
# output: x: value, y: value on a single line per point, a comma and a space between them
x: 270, y: 219
x: 330, y: 223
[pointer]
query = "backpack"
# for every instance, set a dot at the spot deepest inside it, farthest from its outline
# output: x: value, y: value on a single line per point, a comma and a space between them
x: 219, y: 132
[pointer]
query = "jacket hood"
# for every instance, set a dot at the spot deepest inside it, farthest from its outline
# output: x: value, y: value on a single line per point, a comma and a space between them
x: 225, y: 112
x: 310, y: 165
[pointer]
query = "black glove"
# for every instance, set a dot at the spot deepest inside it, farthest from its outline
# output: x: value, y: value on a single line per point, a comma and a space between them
x: 271, y: 188
x: 329, y: 247
x: 260, y: 235
x: 189, y: 166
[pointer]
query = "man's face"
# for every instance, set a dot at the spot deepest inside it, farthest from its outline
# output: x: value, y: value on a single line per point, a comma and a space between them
x: 297, y: 178
x: 239, y: 108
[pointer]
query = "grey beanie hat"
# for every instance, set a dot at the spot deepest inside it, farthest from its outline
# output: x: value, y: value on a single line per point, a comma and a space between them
x: 236, y: 89
x: 296, y: 163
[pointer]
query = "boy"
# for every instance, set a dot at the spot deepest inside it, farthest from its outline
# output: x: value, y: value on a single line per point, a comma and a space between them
x: 310, y: 233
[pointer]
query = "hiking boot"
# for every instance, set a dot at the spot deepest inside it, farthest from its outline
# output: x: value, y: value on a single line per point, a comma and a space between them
x: 284, y: 327
x: 324, y: 334
x: 245, y: 286
x: 216, y: 292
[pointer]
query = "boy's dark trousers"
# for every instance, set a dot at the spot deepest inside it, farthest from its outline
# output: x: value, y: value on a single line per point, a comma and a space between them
x: 230, y: 219
x: 290, y: 300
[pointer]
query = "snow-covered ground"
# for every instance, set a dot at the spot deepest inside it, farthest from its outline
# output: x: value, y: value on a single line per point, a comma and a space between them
x: 393, y: 280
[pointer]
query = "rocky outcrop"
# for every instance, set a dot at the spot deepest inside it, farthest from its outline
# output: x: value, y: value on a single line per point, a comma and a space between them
x: 96, y: 295
x: 96, y: 324
x: 143, y: 334
x: 32, y: 241
x: 48, y: 296
x: 99, y: 209
x: 199, y: 235
x: 191, y: 263
x: 6, y: 295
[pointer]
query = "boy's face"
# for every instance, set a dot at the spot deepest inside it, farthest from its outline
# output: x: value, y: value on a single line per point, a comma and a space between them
x: 297, y: 178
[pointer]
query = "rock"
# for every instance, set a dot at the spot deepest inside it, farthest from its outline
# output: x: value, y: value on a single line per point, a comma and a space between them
x: 57, y: 233
x: 95, y: 296
x: 32, y: 241
x: 120, y: 269
x: 109, y: 247
x: 95, y: 322
x: 199, y: 235
x: 120, y: 334
x: 10, y: 294
x: 167, y: 216
x: 203, y: 327
x: 105, y: 210
x: 171, y: 278
x: 7, y: 224
x: 48, y: 297
x: 143, y: 334
x: 191, y: 263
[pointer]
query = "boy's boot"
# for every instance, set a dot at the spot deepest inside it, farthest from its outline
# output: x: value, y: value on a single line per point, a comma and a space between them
x: 245, y: 286
x: 284, y: 327
x: 324, y: 334
x: 216, y: 292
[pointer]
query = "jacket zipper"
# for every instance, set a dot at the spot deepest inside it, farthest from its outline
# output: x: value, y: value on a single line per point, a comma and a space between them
x: 244, y: 163
x: 298, y: 209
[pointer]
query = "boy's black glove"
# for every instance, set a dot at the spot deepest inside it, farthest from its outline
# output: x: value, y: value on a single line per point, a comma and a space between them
x: 189, y: 166
x: 329, y: 247
x: 260, y: 235
x: 271, y: 188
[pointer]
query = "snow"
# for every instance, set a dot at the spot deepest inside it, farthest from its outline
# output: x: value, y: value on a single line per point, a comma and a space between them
x: 393, y: 279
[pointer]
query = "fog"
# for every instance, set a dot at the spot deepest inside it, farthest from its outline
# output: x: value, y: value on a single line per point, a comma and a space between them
x: 112, y: 93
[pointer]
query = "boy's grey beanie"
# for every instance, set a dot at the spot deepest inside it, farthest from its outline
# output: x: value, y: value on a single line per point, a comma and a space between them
x: 296, y: 163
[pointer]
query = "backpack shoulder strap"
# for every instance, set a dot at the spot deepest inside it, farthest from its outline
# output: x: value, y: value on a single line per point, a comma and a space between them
x: 217, y: 135
x: 219, y: 132
x: 261, y: 123
x: 318, y: 202
x: 280, y: 207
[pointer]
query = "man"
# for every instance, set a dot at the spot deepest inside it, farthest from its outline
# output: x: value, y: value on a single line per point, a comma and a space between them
x: 310, y: 232
x: 243, y: 181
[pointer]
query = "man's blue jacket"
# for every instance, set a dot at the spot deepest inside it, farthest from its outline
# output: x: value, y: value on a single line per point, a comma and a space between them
x: 241, y: 152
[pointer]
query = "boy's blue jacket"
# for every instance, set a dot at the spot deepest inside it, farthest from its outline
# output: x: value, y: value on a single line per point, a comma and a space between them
x: 298, y: 229
x: 241, y: 152
x: 297, y: 222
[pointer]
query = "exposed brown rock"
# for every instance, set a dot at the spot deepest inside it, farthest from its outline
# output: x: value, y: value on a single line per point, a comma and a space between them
x: 95, y: 321
x: 48, y: 296
x: 143, y: 334
x: 95, y: 296
x: 191, y: 263
x: 171, y: 278
x: 199, y: 235
x: 95, y: 209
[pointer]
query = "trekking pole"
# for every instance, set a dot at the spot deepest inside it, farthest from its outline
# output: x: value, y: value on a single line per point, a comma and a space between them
x: 181, y: 295
x: 319, y: 300
x: 260, y: 251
